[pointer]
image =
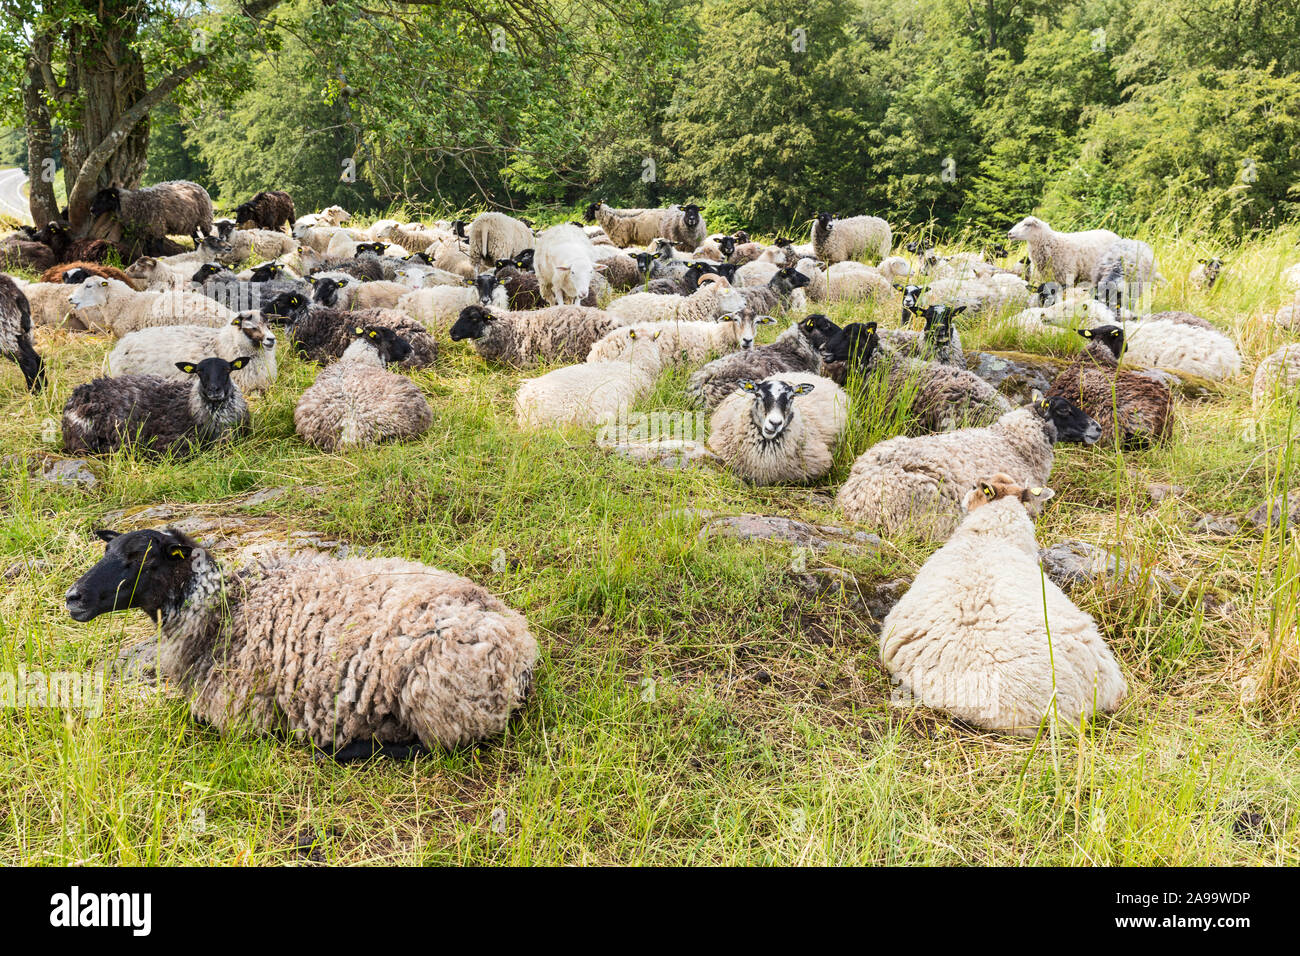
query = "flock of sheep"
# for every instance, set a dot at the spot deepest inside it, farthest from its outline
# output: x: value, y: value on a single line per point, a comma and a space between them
x: 364, y: 656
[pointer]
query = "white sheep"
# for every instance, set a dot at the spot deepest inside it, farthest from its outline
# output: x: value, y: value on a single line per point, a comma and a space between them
x: 114, y: 305
x: 565, y: 263
x: 437, y: 307
x: 713, y: 298
x: 688, y: 342
x: 1180, y: 347
x: 155, y: 351
x: 784, y: 428
x: 589, y: 393
x: 1279, y: 372
x: 494, y: 235
x: 262, y: 243
x: 835, y: 240
x: 984, y: 634
x: 1064, y: 257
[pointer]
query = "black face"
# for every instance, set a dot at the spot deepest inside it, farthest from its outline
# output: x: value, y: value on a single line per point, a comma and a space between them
x: 643, y: 260
x: 144, y: 569
x: 486, y: 283
x: 857, y: 343
x: 502, y: 263
x: 590, y: 214
x: 1112, y: 336
x: 691, y: 215
x: 824, y: 219
x: 524, y: 261
x: 789, y: 279
x: 377, y: 248
x: 286, y: 306
x: 106, y: 200
x: 215, y: 384
x: 458, y: 228
x: 420, y: 257
x: 216, y: 245
x: 695, y: 271
x: 783, y: 241
x: 225, y: 228
x: 205, y: 271
x: 75, y: 276
x: 938, y: 323
x: 911, y: 295
x: 819, y: 331
x: 471, y: 324
x: 773, y: 405
x: 326, y: 292
x: 244, y: 212
x: 1072, y: 425
x: 727, y: 270
x: 390, y: 346
x: 266, y: 272
x: 727, y: 246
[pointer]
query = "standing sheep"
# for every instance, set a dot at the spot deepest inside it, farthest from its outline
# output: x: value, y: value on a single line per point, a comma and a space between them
x: 984, y: 634
x: 155, y: 414
x: 16, y: 334
x: 1129, y: 407
x: 175, y: 208
x: 354, y: 656
x: 565, y: 261
x: 356, y: 402
x: 1063, y: 257
x: 270, y: 209
x: 1125, y: 272
x: 918, y: 483
x: 766, y: 436
x: 835, y: 240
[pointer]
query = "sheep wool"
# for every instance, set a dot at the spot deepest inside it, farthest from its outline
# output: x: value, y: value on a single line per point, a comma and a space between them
x: 523, y: 339
x: 784, y: 428
x: 175, y: 208
x: 16, y: 334
x: 1158, y: 343
x: 493, y: 236
x: 1129, y: 407
x: 156, y: 351
x: 789, y: 352
x: 983, y: 634
x: 587, y: 394
x: 117, y: 307
x: 1279, y: 372
x: 835, y: 240
x: 1064, y: 257
x: 344, y: 654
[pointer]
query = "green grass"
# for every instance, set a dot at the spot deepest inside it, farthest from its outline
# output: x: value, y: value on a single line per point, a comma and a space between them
x: 693, y: 703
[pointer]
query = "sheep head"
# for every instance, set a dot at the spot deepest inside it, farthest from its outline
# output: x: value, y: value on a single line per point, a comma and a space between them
x: 1002, y: 485
x: 146, y: 569
x: 773, y: 407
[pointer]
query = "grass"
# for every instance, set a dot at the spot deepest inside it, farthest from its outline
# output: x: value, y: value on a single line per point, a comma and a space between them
x: 694, y: 703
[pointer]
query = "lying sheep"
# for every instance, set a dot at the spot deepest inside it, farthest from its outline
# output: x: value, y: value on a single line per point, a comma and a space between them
x: 523, y: 339
x: 1181, y: 347
x: 785, y: 291
x: 766, y: 436
x: 345, y: 293
x: 991, y: 294
x: 789, y: 352
x: 835, y: 240
x: 1127, y: 406
x: 565, y: 262
x: 521, y: 287
x: 271, y: 209
x: 493, y: 236
x: 688, y: 342
x: 354, y: 656
x: 620, y: 270
x: 323, y: 335
x: 365, y: 269
x: 984, y: 634
x: 156, y: 415
x: 713, y: 298
x: 74, y: 273
x: 1279, y: 372
x: 117, y: 307
x: 356, y: 402
x: 438, y: 307
x: 1206, y: 273
x: 50, y: 308
x: 918, y: 484
x: 175, y: 208
x: 589, y: 393
x: 262, y: 243
x: 16, y: 334
x: 1064, y: 257
x: 156, y: 351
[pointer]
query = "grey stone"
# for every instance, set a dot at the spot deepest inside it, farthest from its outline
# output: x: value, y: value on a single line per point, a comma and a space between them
x: 1072, y: 564
x: 74, y: 472
x: 668, y: 453
x: 1159, y: 492
x: 1279, y: 507
x: 1221, y: 526
x: 1014, y: 374
x: 789, y: 530
x: 26, y: 566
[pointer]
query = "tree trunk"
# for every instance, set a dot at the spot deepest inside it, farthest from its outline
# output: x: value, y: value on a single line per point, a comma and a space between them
x: 40, y: 140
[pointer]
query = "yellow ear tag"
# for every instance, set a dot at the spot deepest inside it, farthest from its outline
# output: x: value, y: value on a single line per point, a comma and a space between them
x: 631, y: 333
x: 374, y: 334
x: 360, y: 330
x: 1035, y: 491
x: 1086, y: 333
x: 988, y: 492
x: 177, y: 553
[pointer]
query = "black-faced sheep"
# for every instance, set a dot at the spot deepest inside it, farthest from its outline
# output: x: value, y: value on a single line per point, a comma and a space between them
x: 354, y: 656
x: 784, y: 428
x: 522, y: 339
x: 16, y: 334
x: 1131, y: 407
x: 270, y: 209
x: 176, y: 208
x: 323, y: 335
x: 156, y: 415
x: 789, y: 352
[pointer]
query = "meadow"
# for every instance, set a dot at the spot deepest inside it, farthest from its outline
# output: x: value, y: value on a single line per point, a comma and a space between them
x: 700, y: 699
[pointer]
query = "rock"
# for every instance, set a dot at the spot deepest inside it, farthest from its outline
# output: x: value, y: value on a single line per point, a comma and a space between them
x: 881, y: 598
x: 271, y: 494
x: 1221, y: 526
x: 1159, y: 492
x: 1072, y: 564
x: 667, y: 453
x: 74, y: 472
x: 241, y: 538
x: 799, y: 533
x: 1272, y: 512
x: 1015, y: 374
x: 137, y: 663
x: 1191, y: 387
x: 25, y: 566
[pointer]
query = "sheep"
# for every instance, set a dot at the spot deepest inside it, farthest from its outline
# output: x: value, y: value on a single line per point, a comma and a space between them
x: 156, y: 415
x: 590, y: 392
x: 789, y: 352
x: 345, y: 293
x: 521, y: 288
x: 494, y: 235
x: 170, y: 273
x: 989, y: 294
x: 621, y: 270
x: 682, y: 226
x: 156, y: 351
x: 1206, y: 273
x: 1291, y: 278
x: 224, y: 228
x: 323, y: 335
x: 1181, y: 318
x: 238, y: 294
x: 716, y: 248
x: 835, y: 240
x: 271, y: 209
x: 439, y: 306
x: 918, y: 483
x: 984, y: 634
x: 1129, y: 407
x: 117, y: 307
x: 1127, y: 269
x: 565, y: 263
x: 16, y: 334
x: 73, y: 273
x: 366, y: 268
x: 522, y: 339
x: 50, y: 308
x: 356, y: 402
x: 1070, y: 312
x: 1064, y: 257
x: 1181, y: 347
x: 682, y: 341
x: 942, y: 396
x: 319, y: 237
x: 26, y: 254
x: 937, y: 341
x: 175, y: 208
x: 262, y: 243
x: 713, y: 298
x: 785, y: 290
x: 355, y: 656
x: 1280, y: 371
x: 765, y: 436
x: 417, y: 275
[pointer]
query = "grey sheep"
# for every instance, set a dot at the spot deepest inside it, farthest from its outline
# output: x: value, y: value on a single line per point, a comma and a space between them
x: 789, y: 352
x: 355, y: 657
x: 16, y: 334
x: 522, y: 339
x: 175, y: 208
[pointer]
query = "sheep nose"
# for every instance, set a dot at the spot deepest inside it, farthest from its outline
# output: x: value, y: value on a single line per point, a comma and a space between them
x: 73, y: 596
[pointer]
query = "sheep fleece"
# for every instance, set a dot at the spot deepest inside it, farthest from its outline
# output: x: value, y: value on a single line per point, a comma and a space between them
x: 352, y: 404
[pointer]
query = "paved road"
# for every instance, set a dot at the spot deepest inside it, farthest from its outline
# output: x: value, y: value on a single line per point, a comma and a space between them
x: 12, y: 200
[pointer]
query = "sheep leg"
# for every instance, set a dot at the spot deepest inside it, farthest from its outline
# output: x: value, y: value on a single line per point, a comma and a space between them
x: 359, y: 750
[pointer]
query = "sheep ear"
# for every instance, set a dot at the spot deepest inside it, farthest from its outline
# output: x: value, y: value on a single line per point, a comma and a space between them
x: 871, y: 326
x: 103, y: 534
x: 727, y: 318
x: 631, y: 333
x: 763, y: 319
x: 342, y: 283
x: 601, y: 267
x: 562, y: 268
x: 189, y: 368
x: 803, y: 388
x: 988, y: 492
x: 656, y: 335
x: 1038, y: 494
x: 237, y: 364
x: 358, y: 331
x: 237, y: 321
x: 373, y: 334
x: 179, y: 552
x: 311, y: 280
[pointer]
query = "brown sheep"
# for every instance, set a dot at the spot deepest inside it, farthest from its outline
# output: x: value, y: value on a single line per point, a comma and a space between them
x: 1142, y: 407
x: 57, y: 273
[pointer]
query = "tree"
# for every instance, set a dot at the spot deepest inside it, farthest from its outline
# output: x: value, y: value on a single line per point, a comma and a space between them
x: 99, y: 67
